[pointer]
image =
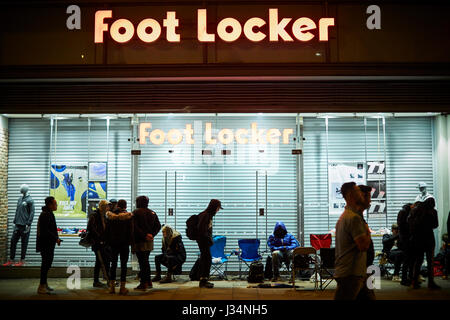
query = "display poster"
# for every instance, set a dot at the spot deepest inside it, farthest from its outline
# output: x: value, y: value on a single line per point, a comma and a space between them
x: 338, y: 174
x: 97, y: 171
x: 69, y: 185
x: 376, y: 178
x: 97, y: 190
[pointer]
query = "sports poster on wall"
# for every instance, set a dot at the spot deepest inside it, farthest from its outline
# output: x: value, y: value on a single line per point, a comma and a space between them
x: 339, y: 173
x: 376, y: 178
x: 97, y: 187
x: 68, y: 185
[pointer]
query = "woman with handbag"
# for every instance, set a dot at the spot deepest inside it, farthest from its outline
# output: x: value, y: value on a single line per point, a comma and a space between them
x: 96, y: 228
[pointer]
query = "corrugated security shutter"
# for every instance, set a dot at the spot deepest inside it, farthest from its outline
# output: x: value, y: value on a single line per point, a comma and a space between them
x: 231, y: 178
x: 29, y: 163
x: 409, y: 160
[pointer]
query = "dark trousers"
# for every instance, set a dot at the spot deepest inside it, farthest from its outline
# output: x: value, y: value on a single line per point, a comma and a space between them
x: 19, y: 233
x: 278, y: 257
x: 205, y: 258
x: 170, y: 262
x: 350, y: 288
x: 123, y: 251
x: 101, y: 253
x: 144, y: 266
x: 47, y: 254
x: 418, y: 260
x: 398, y: 258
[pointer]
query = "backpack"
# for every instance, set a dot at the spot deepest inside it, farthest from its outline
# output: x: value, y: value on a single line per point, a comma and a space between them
x: 192, y: 227
x: 86, y: 240
x: 256, y: 272
x: 195, y: 271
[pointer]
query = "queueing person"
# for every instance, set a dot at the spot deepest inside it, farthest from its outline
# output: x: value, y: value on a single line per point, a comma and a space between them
x: 403, y: 244
x: 146, y: 226
x: 96, y: 228
x: 352, y: 242
x: 119, y: 238
x: 173, y: 254
x: 205, y: 241
x: 423, y: 219
x: 282, y: 245
x: 394, y: 253
x: 47, y: 238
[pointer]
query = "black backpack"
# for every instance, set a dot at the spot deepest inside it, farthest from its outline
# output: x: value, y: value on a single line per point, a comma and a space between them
x: 256, y: 273
x: 192, y: 227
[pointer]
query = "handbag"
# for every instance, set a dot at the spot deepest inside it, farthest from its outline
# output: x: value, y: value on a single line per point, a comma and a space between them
x: 85, y: 240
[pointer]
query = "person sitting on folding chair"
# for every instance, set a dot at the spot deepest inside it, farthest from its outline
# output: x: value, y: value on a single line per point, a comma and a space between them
x: 281, y: 244
x: 173, y: 255
x: 394, y: 254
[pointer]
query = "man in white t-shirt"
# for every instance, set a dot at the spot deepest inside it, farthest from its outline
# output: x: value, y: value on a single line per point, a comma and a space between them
x: 424, y: 195
x: 352, y: 242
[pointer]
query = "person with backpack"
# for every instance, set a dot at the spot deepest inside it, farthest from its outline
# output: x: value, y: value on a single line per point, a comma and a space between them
x: 423, y: 219
x: 404, y: 245
x: 146, y: 226
x: 96, y: 228
x: 173, y: 254
x: 119, y: 238
x: 199, y: 228
x: 282, y: 245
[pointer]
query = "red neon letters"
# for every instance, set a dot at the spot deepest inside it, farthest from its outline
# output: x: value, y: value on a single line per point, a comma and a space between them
x: 228, y: 29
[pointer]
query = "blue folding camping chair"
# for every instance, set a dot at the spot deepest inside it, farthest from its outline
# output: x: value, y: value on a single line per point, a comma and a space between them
x: 218, y: 252
x: 248, y: 252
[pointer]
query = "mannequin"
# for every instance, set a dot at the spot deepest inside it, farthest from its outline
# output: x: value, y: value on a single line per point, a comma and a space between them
x: 424, y: 195
x: 22, y: 225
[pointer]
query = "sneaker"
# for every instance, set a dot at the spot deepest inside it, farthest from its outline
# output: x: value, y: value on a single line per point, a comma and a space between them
x: 156, y: 278
x: 49, y: 288
x: 396, y: 279
x: 9, y: 263
x: 98, y: 284
x: 206, y: 284
x: 433, y: 286
x: 141, y: 287
x: 167, y: 279
x: 42, y: 289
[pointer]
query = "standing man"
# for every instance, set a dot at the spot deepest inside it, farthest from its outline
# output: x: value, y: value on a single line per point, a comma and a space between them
x: 205, y: 241
x: 352, y: 242
x: 47, y: 238
x: 22, y: 225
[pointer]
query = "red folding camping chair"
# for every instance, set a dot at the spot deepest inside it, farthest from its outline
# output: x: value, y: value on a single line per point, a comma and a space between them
x: 319, y: 241
x: 326, y: 263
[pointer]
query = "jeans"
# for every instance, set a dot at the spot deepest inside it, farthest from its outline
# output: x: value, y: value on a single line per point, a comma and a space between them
x: 47, y: 254
x: 102, y: 254
x: 144, y: 266
x: 349, y: 288
x: 19, y: 233
x: 398, y: 257
x: 205, y: 258
x: 418, y: 260
x: 168, y: 261
x: 123, y: 251
x: 279, y: 257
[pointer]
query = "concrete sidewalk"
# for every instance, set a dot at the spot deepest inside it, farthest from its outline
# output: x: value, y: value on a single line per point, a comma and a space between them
x: 183, y: 289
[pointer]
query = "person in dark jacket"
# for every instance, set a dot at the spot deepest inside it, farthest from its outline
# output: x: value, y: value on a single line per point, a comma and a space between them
x: 119, y: 238
x: 394, y: 253
x: 173, y: 255
x: 404, y: 245
x: 146, y: 226
x: 282, y: 245
x: 46, y: 239
x: 205, y: 241
x: 96, y: 228
x: 423, y: 219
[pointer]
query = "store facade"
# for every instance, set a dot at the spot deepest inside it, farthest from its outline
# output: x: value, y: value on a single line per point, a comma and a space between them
x: 270, y: 127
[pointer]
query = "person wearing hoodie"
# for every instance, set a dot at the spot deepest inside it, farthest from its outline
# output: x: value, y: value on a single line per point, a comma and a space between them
x: 96, y: 228
x: 173, y: 254
x: 281, y: 244
x: 22, y: 225
x: 118, y: 235
x: 423, y: 219
x: 404, y: 244
x: 205, y: 241
x: 46, y: 239
x: 146, y: 226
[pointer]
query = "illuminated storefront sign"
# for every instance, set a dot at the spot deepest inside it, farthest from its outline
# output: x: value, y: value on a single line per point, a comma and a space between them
x: 225, y: 136
x: 228, y: 29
